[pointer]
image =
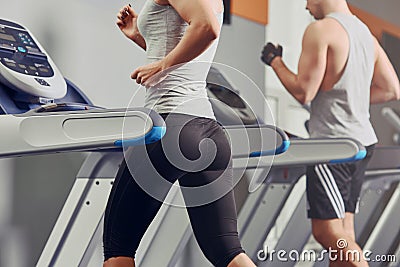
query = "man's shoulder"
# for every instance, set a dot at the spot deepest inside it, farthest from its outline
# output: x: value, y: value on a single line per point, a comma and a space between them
x: 322, y: 25
x: 324, y: 29
x: 316, y: 30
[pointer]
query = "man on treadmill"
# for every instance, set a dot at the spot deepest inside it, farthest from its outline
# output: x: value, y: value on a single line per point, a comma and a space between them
x: 341, y: 71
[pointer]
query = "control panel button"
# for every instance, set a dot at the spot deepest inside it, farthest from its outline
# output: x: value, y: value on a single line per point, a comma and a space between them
x: 32, y: 49
x: 43, y: 70
x: 7, y: 47
x: 7, y: 60
x: 11, y: 64
x: 36, y: 54
x: 22, y: 49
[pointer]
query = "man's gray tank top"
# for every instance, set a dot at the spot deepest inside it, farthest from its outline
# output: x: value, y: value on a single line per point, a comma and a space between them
x: 184, y: 89
x: 343, y: 111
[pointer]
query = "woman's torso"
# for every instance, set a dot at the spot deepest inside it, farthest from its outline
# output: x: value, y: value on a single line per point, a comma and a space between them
x: 184, y: 88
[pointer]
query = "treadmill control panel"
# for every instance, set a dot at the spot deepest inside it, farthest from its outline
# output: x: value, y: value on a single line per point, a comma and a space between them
x: 19, y: 52
x: 25, y: 66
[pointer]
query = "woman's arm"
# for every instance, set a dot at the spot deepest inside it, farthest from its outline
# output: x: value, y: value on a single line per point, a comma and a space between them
x: 127, y: 23
x: 203, y: 29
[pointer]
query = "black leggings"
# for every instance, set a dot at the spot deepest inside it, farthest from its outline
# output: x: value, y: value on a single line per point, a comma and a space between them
x: 196, y: 152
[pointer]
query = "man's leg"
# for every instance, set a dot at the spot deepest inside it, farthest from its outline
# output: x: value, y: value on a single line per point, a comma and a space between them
x: 348, y: 225
x: 332, y: 235
x: 332, y: 226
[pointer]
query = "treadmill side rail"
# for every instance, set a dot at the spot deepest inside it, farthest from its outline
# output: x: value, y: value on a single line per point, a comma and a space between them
x: 77, y: 131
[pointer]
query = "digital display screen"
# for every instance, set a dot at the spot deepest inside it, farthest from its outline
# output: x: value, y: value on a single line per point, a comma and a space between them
x: 7, y: 37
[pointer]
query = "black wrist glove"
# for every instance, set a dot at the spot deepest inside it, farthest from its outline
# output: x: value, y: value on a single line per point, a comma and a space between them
x: 269, y: 52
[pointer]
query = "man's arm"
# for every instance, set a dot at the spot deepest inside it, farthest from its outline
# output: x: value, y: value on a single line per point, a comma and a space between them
x: 311, y: 68
x: 385, y: 84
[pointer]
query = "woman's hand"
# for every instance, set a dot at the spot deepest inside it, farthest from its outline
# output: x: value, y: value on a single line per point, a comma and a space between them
x: 127, y: 22
x: 150, y: 74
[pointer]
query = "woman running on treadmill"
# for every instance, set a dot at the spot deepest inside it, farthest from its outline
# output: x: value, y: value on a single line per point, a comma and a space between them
x: 176, y: 34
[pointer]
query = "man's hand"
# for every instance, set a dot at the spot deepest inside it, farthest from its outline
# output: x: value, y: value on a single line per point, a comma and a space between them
x: 270, y: 52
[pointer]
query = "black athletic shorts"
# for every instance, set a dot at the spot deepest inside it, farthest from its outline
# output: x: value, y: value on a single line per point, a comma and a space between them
x: 333, y: 189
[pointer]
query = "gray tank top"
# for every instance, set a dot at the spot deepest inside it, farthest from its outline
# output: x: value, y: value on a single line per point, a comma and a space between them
x: 343, y: 111
x: 184, y: 89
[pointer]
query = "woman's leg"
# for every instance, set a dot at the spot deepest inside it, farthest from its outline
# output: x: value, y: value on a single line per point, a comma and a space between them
x: 131, y: 207
x: 119, y: 262
x: 215, y: 224
x: 129, y: 212
x: 209, y: 196
x: 241, y: 260
x: 142, y: 183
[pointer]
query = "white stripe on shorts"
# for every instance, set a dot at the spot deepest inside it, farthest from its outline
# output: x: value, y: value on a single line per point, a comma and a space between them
x: 324, y: 179
x: 335, y: 187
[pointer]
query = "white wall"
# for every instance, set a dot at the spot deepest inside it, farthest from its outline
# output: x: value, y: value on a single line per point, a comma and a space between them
x: 287, y: 22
